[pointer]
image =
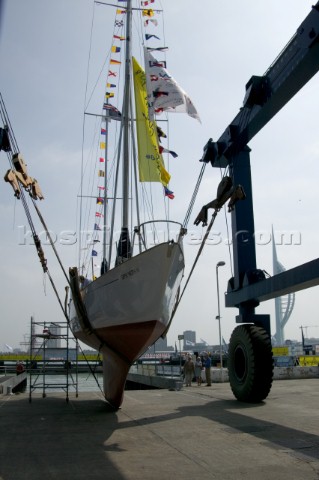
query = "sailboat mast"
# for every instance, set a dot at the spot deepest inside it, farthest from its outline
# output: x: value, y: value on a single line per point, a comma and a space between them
x: 126, y: 111
x: 124, y: 244
x: 104, y: 266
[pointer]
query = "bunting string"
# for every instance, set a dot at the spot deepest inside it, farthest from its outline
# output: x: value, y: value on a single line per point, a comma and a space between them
x: 150, y: 19
x: 111, y: 86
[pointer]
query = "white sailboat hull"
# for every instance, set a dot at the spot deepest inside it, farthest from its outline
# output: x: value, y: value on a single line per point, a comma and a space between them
x: 128, y: 309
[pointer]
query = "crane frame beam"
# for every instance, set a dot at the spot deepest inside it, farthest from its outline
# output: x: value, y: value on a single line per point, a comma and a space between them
x: 265, y: 96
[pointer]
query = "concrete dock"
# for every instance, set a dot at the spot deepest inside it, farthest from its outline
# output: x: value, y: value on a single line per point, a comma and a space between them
x: 9, y: 382
x: 195, y: 433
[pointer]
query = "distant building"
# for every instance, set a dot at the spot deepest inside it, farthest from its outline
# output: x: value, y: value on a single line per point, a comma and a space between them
x: 189, y: 339
x: 161, y: 344
x: 54, y: 330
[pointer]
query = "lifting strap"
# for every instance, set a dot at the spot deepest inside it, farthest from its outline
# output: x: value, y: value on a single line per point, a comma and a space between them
x: 193, y: 267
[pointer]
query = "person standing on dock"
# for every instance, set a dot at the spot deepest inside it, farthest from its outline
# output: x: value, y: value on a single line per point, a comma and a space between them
x: 189, y: 371
x: 198, y: 370
x: 207, y: 365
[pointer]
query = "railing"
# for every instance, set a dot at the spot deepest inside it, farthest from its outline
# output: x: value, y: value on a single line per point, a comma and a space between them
x: 6, y: 370
x: 168, y: 370
x: 156, y: 370
x: 154, y: 232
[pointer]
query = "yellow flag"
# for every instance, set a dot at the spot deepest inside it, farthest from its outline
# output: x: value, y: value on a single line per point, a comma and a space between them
x: 148, y: 13
x: 150, y: 161
x: 102, y: 145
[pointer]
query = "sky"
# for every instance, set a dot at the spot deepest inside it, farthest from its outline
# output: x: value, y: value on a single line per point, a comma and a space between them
x: 214, y: 49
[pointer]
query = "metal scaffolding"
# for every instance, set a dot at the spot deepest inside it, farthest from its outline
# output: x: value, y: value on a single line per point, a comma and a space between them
x: 53, y: 364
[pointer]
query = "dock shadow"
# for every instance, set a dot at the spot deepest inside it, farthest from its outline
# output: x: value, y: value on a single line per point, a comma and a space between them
x: 235, y: 419
x: 55, y: 439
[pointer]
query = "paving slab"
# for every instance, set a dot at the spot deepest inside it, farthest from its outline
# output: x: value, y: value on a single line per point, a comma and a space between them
x: 197, y: 432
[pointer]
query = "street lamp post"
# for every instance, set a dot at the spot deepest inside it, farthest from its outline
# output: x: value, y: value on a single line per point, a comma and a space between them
x: 219, y: 264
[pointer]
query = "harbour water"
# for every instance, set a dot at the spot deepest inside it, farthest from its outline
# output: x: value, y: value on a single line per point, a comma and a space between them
x: 57, y: 383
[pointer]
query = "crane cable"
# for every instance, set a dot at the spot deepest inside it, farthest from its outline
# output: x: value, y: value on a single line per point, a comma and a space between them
x: 192, y: 202
x: 50, y: 240
x: 214, y: 215
x: 185, y: 223
x: 13, y: 150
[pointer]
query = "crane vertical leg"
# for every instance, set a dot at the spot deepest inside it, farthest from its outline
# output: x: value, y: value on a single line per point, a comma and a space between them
x: 250, y: 353
x: 243, y: 236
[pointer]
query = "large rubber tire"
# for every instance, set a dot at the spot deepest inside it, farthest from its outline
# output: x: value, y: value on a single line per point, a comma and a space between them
x: 250, y: 363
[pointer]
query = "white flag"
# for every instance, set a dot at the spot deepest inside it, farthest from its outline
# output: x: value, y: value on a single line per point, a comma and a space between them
x: 164, y: 94
x: 8, y: 347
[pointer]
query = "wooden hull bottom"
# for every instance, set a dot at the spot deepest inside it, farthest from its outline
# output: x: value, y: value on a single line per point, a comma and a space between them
x: 123, y: 345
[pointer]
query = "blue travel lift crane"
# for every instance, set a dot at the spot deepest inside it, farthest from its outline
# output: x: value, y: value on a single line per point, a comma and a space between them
x: 250, y: 361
